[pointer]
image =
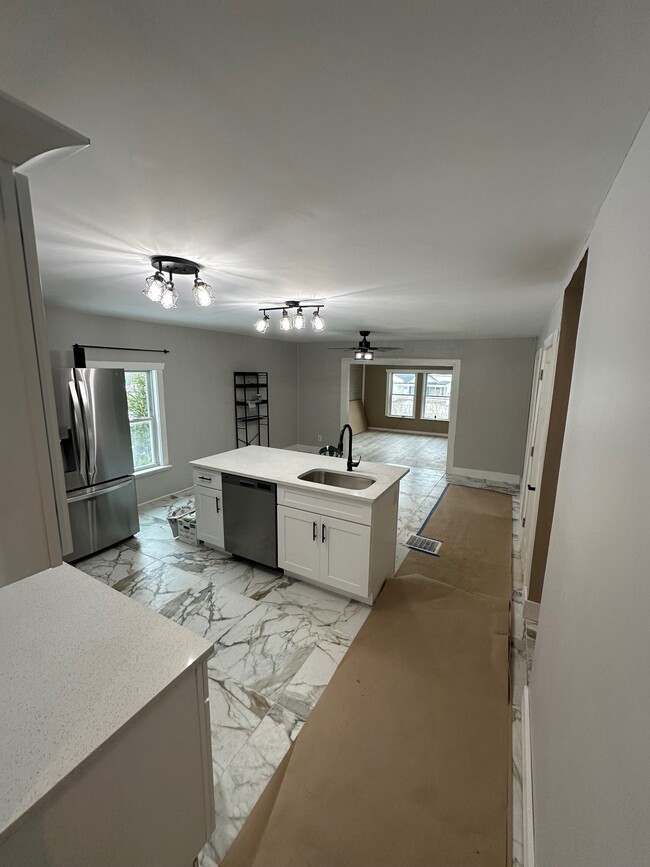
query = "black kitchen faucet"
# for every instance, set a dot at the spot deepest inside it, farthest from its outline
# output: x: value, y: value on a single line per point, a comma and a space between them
x: 351, y: 463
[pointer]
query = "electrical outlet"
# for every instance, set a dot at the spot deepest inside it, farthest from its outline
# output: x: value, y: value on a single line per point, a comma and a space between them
x: 320, y: 438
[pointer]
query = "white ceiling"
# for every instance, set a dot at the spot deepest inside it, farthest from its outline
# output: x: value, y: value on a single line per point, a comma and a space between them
x: 423, y: 168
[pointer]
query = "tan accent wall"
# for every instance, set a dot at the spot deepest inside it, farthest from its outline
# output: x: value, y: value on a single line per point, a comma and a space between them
x: 375, y: 402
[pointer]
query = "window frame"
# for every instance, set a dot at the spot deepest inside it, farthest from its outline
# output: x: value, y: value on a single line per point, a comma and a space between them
x: 423, y: 402
x: 156, y: 405
x: 389, y: 392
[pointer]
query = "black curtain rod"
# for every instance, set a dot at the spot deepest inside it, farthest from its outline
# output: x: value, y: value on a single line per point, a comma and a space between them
x: 79, y: 351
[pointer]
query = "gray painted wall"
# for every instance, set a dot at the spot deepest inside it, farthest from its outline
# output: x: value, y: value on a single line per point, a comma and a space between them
x: 590, y: 691
x: 495, y: 384
x: 198, y: 383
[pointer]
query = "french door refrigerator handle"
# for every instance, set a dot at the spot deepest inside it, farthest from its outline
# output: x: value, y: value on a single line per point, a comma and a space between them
x: 90, y: 431
x: 98, y: 490
x: 80, y: 432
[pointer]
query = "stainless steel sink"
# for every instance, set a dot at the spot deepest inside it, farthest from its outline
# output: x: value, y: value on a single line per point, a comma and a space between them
x: 351, y: 481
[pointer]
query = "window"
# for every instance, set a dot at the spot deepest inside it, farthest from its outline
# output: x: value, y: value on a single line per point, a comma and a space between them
x: 400, y: 394
x: 436, y: 395
x: 146, y: 408
x: 145, y: 438
x: 428, y: 392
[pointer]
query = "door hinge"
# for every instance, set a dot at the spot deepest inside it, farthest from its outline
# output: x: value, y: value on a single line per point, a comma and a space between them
x: 541, y: 373
x: 532, y: 451
x: 523, y: 523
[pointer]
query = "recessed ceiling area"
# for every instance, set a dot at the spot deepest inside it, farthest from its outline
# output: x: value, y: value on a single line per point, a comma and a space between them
x: 424, y: 169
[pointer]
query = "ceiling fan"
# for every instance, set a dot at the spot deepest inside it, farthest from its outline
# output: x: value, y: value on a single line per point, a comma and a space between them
x: 364, y: 351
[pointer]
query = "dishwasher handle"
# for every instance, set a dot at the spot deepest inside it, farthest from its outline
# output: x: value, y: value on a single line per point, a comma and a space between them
x: 245, y: 482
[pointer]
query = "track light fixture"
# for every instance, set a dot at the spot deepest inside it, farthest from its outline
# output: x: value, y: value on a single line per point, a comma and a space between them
x: 290, y: 320
x: 163, y: 292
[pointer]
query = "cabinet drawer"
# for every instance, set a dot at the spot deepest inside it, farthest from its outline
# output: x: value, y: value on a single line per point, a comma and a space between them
x: 324, y: 504
x: 207, y: 479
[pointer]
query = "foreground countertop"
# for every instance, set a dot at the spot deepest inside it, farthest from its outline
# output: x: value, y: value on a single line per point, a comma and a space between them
x: 283, y: 467
x: 78, y: 660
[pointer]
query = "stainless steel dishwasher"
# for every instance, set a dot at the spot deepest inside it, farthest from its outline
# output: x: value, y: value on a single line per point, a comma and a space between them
x: 250, y: 519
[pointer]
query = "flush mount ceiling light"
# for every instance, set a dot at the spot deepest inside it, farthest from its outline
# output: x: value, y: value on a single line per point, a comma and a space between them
x: 163, y: 292
x: 291, y: 320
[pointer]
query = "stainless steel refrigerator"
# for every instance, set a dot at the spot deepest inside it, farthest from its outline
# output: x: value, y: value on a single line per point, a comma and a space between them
x: 97, y: 458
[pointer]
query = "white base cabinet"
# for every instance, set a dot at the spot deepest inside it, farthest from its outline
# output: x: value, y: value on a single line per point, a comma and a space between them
x: 209, y: 508
x: 328, y: 550
x: 342, y: 544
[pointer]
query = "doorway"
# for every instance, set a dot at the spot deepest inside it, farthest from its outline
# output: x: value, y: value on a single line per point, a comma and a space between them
x: 538, y: 430
x: 415, y: 449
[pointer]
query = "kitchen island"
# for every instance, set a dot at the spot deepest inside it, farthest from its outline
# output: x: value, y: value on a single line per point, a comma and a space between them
x: 332, y: 528
x: 105, y: 754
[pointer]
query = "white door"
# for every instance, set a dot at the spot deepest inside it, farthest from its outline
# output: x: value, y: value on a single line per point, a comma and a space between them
x: 299, y: 535
x: 345, y: 555
x: 538, y: 448
x: 536, y: 391
x: 209, y: 515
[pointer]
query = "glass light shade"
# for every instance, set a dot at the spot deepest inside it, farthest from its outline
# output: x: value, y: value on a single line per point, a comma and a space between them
x: 203, y: 296
x: 299, y: 320
x: 262, y: 324
x: 317, y: 322
x: 154, y: 287
x: 286, y: 322
x: 169, y: 298
x: 368, y: 356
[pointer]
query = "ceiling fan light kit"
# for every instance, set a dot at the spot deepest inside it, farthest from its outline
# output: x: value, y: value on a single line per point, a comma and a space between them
x: 290, y: 320
x: 163, y: 292
x: 364, y: 351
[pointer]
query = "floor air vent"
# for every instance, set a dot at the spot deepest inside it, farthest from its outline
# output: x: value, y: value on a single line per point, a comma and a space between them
x: 427, y: 546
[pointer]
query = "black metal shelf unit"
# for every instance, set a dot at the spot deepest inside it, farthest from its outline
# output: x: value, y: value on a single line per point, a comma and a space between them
x: 251, y: 408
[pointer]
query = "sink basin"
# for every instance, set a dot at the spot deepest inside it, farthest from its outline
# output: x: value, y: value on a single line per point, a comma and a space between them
x: 351, y: 481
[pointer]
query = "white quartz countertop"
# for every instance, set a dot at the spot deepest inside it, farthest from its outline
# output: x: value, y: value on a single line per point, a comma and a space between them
x: 78, y: 660
x: 283, y: 467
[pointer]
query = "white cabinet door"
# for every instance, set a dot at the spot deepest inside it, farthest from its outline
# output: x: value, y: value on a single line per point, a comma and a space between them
x: 209, y: 515
x: 345, y: 555
x: 299, y: 544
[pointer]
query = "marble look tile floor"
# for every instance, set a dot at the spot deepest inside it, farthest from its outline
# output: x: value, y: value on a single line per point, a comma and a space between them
x: 277, y: 641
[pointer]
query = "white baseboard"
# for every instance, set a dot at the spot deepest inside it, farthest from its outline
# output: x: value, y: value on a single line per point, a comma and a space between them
x: 527, y: 782
x: 421, y: 433
x: 185, y: 491
x: 488, y: 475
